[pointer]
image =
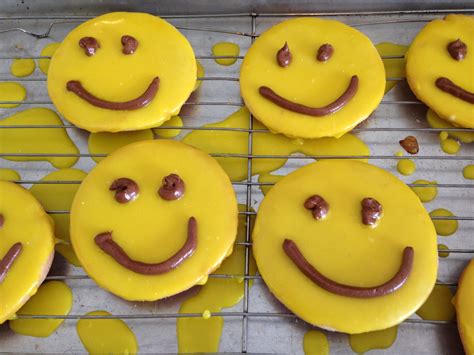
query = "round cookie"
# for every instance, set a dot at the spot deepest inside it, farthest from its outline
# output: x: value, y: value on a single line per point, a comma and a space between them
x: 121, y: 72
x: 346, y: 246
x: 153, y: 219
x: 440, y: 68
x: 464, y: 304
x: 311, y: 78
x: 26, y: 247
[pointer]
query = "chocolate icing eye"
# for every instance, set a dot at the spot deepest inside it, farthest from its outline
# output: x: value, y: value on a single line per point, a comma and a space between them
x: 284, y: 56
x: 129, y: 44
x: 371, y: 211
x: 126, y: 190
x: 457, y: 49
x: 318, y: 206
x: 172, y: 188
x: 90, y: 45
x: 325, y: 52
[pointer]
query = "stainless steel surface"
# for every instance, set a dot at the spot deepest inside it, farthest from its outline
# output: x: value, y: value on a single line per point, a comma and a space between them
x: 259, y: 323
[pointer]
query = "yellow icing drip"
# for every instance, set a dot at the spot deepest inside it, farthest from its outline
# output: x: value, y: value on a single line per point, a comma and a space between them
x: 437, y: 122
x: 380, y: 339
x: 399, y: 154
x: 443, y: 135
x: 464, y: 303
x: 106, y: 142
x: 174, y: 121
x: 438, y: 306
x: 406, y: 166
x: 59, y: 197
x: 9, y: 174
x: 315, y: 343
x: 426, y: 194
x: 267, y: 177
x: 47, y: 51
x: 394, y: 68
x: 53, y: 298
x: 443, y: 254
x: 444, y: 227
x: 450, y: 146
x: 11, y: 92
x: 34, y: 140
x: 225, y: 49
x: 106, y: 336
x: 22, y: 67
x: 265, y: 144
x: 468, y: 172
x: 200, y: 73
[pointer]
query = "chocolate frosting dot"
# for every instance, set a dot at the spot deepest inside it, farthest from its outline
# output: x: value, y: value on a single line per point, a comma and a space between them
x: 318, y: 206
x: 129, y: 44
x: 325, y: 52
x: 172, y: 188
x: 371, y: 211
x: 126, y: 190
x: 284, y: 56
x: 90, y: 45
x: 457, y: 49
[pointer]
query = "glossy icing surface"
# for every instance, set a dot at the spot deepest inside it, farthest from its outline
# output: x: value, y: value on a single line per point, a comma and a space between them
x: 464, y: 304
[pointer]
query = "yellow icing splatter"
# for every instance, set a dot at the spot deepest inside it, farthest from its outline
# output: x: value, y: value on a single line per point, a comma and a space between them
x: 106, y: 336
x: 468, y: 172
x: 394, y: 68
x: 59, y: 197
x: 437, y: 122
x: 444, y: 227
x: 315, y: 343
x: 200, y: 73
x: 22, y: 67
x: 206, y: 314
x: 450, y: 146
x: 47, y: 51
x: 443, y: 254
x: 53, y: 298
x: 11, y: 92
x: 37, y: 140
x: 9, y: 174
x: 406, y: 166
x: 438, y: 306
x: 399, y: 154
x: 174, y: 121
x: 426, y: 194
x: 380, y: 339
x: 225, y: 49
x: 443, y: 135
x: 106, y: 142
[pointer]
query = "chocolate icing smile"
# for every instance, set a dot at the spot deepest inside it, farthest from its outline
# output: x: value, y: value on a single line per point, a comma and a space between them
x: 139, y: 102
x: 449, y: 87
x: 334, y: 106
x: 8, y: 260
x: 106, y: 243
x: 395, y: 283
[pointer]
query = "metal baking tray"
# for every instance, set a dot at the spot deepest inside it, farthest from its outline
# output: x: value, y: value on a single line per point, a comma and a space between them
x: 259, y: 324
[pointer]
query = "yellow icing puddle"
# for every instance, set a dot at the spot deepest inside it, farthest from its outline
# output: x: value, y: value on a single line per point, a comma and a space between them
x: 437, y: 122
x: 444, y: 227
x: 200, y: 73
x: 438, y: 306
x: 265, y: 144
x: 450, y: 146
x: 9, y: 174
x: 468, y: 172
x: 52, y: 298
x: 394, y: 68
x: 315, y: 342
x: 203, y: 334
x: 106, y: 336
x: 37, y: 140
x: 59, y: 197
x: 11, y: 92
x: 225, y: 49
x: 174, y: 121
x: 406, y: 166
x: 426, y: 194
x: 380, y: 339
x: 47, y: 51
x: 22, y: 67
x: 106, y: 142
x: 443, y: 254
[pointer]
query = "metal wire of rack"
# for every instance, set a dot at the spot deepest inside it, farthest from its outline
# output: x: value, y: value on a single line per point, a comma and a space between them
x: 246, y: 313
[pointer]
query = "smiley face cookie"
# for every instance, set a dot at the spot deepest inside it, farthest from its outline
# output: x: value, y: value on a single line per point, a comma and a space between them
x: 153, y: 219
x: 440, y: 68
x: 122, y: 71
x: 312, y: 78
x: 26, y: 247
x: 346, y: 246
x: 464, y: 303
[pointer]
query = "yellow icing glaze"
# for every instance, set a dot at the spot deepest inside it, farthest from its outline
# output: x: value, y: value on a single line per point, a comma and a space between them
x: 225, y: 49
x: 450, y: 146
x: 443, y: 135
x: 426, y: 194
x: 26, y: 222
x: 9, y: 174
x: 267, y: 177
x: 35, y: 140
x: 149, y: 228
x: 59, y: 197
x: 443, y: 254
x: 439, y: 305
x: 106, y: 142
x: 379, y: 339
x: 106, y: 336
x: 444, y: 227
x: 315, y: 342
x: 468, y: 172
x: 47, y: 51
x: 464, y: 304
x: 111, y: 75
x: 203, y: 334
x: 52, y: 298
x: 200, y: 73
x: 399, y: 154
x: 22, y: 67
x: 342, y: 248
x: 310, y: 82
x: 394, y: 67
x: 406, y: 166
x: 174, y: 121
x: 430, y: 46
x: 11, y: 92
x: 265, y: 144
x: 437, y: 122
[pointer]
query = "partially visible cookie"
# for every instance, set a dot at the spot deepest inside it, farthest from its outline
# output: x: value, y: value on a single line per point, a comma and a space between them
x: 464, y: 303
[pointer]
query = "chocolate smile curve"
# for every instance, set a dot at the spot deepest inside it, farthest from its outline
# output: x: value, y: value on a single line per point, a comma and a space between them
x: 449, y: 87
x: 143, y: 100
x: 9, y: 259
x: 105, y: 242
x: 334, y: 106
x: 395, y: 283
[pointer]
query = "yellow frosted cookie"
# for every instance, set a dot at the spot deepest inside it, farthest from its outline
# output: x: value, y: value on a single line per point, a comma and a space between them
x: 311, y: 78
x: 346, y: 246
x: 464, y: 304
x: 121, y: 72
x: 440, y: 68
x: 153, y: 219
x: 26, y: 247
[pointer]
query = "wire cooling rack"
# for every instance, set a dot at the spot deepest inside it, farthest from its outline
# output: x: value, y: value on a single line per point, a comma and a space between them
x: 259, y: 323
